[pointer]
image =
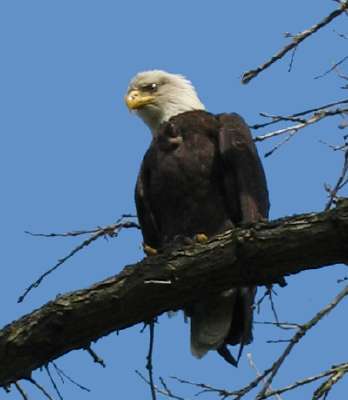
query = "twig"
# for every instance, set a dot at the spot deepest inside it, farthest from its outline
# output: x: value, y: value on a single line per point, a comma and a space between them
x: 169, y: 392
x: 223, y: 393
x: 297, y: 337
x: 341, y: 182
x: 110, y: 230
x: 294, y: 117
x: 341, y: 147
x: 53, y: 382
x: 296, y: 40
x: 165, y: 391
x: 253, y: 384
x: 280, y: 144
x: 341, y: 35
x: 323, y: 390
x: 341, y: 75
x: 21, y: 391
x: 305, y: 381
x: 62, y: 374
x: 268, y: 292
x: 257, y: 305
x: 149, y: 365
x: 281, y: 325
x: 41, y: 388
x: 95, y: 356
x: 332, y: 68
x: 7, y: 388
x: 258, y: 373
x: 270, y: 296
x: 276, y: 118
x: 278, y: 341
x: 291, y: 130
x: 292, y: 58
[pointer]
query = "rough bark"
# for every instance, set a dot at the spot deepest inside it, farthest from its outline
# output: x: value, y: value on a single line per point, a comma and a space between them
x: 260, y: 254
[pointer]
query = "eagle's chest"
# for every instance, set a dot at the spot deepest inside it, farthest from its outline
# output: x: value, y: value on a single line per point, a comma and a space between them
x: 185, y: 186
x: 183, y: 160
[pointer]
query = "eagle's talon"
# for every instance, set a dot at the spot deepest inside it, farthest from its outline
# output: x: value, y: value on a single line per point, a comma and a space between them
x: 149, y: 251
x: 201, y: 238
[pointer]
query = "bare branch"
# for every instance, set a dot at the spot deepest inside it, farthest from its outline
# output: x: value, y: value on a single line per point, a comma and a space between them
x: 278, y: 341
x: 332, y: 68
x: 308, y: 380
x: 53, y: 382
x: 62, y: 375
x: 280, y: 144
x: 324, y: 389
x: 269, y: 293
x: 277, y: 118
x: 149, y: 365
x: 294, y: 117
x: 341, y: 35
x: 41, y: 388
x: 293, y: 129
x: 292, y: 58
x: 341, y: 147
x: 169, y: 392
x: 258, y: 373
x: 260, y: 254
x: 296, y: 40
x: 110, y: 230
x: 341, y: 182
x: 281, y: 325
x: 297, y: 337
x: 165, y: 391
x: 21, y: 391
x: 223, y: 393
x: 95, y: 357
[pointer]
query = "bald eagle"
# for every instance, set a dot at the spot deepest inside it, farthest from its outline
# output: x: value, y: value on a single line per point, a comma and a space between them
x: 200, y: 176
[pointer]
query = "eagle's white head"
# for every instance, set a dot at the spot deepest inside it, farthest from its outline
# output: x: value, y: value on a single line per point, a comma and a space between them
x: 156, y: 96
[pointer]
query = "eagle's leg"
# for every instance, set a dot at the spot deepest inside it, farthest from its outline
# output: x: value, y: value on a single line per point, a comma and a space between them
x: 201, y: 237
x: 149, y: 251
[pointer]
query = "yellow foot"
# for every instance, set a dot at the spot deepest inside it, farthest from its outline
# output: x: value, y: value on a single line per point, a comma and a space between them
x: 148, y: 250
x: 201, y: 237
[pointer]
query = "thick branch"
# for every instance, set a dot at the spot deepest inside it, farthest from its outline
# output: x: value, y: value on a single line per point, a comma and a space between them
x: 260, y: 254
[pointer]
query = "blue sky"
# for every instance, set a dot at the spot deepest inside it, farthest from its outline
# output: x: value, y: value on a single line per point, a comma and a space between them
x: 70, y: 153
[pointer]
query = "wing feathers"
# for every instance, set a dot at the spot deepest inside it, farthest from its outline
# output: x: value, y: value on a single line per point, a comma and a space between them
x: 242, y: 164
x: 146, y: 219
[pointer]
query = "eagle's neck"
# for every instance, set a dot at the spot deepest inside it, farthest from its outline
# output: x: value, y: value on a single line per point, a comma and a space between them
x: 173, y: 106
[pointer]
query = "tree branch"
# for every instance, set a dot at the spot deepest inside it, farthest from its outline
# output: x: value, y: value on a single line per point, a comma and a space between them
x: 259, y: 254
x: 296, y: 40
x: 295, y: 117
x: 293, y: 129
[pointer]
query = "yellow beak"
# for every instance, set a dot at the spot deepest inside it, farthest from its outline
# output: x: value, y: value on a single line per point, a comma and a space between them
x: 135, y: 99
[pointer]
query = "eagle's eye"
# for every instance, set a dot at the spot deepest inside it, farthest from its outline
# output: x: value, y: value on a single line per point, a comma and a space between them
x: 152, y: 87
